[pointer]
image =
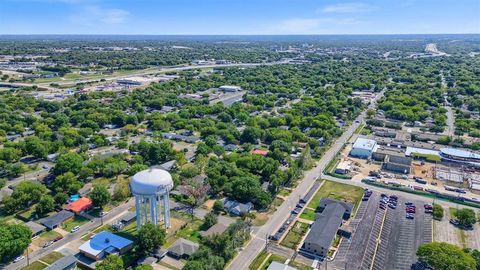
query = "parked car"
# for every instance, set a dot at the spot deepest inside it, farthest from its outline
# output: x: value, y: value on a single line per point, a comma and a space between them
x: 74, y: 229
x: 47, y: 244
x: 454, y: 222
x: 410, y: 216
x: 103, y: 213
x: 58, y: 238
x: 19, y: 258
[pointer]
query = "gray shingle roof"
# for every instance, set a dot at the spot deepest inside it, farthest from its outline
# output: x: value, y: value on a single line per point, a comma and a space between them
x: 56, y: 219
x: 35, y: 227
x: 326, y: 225
x: 183, y: 247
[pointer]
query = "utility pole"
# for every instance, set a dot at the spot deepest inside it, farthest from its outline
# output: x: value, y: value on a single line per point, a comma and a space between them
x: 28, y: 259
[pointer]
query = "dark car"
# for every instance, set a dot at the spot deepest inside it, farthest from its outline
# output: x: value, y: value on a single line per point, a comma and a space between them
x: 454, y: 222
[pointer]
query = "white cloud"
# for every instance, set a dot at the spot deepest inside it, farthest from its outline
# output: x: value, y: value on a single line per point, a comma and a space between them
x: 346, y: 8
x: 95, y: 15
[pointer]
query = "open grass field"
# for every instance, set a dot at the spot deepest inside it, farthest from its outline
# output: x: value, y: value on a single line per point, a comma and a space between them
x: 308, y: 214
x: 294, y: 236
x: 52, y: 257
x: 35, y: 266
x: 300, y: 266
x: 76, y: 221
x: 273, y: 257
x: 45, y: 237
x: 190, y: 231
x: 337, y: 191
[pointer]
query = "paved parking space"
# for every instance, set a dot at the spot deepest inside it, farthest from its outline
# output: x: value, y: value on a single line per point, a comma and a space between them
x: 384, y: 239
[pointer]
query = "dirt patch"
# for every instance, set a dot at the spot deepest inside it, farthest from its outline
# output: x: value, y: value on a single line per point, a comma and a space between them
x: 175, y: 224
x: 260, y: 219
x: 208, y: 204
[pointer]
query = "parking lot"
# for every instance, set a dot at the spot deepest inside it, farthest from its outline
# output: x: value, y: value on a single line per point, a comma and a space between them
x: 384, y: 238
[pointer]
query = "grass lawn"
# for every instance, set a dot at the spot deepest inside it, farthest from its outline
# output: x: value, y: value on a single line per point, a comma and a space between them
x: 277, y: 202
x: 300, y: 266
x: 35, y: 266
x: 258, y: 260
x: 462, y: 236
x: 52, y: 257
x: 308, y: 214
x: 76, y: 221
x: 129, y: 231
x: 284, y: 192
x: 44, y: 237
x: 260, y: 219
x: 273, y: 257
x: 191, y: 231
x: 295, y: 234
x: 337, y: 191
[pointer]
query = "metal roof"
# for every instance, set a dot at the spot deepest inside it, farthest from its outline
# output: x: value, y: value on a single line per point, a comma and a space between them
x: 103, y: 241
x: 459, y: 153
x: 151, y: 182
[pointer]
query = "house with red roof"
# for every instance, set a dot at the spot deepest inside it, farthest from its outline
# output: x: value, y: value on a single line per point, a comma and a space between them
x: 259, y: 152
x: 80, y: 205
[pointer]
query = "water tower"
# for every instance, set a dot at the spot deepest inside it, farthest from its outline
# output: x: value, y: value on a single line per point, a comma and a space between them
x: 150, y: 187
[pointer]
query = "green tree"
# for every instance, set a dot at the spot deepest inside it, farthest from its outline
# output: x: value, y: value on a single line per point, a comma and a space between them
x: 209, y: 220
x: 67, y: 183
x: 68, y: 162
x: 45, y: 205
x: 111, y: 262
x: 437, y: 211
x: 465, y: 216
x: 444, y: 256
x: 144, y: 267
x: 218, y: 206
x: 121, y: 191
x: 14, y: 239
x: 100, y: 196
x: 149, y: 238
x: 60, y: 198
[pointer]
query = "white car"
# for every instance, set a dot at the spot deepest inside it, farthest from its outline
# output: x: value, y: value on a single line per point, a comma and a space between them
x: 19, y: 258
x: 74, y: 229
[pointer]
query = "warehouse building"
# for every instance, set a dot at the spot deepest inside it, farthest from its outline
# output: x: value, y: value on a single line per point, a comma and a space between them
x: 363, y: 148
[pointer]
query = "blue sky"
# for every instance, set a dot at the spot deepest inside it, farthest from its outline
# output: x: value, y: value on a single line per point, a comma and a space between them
x: 218, y: 17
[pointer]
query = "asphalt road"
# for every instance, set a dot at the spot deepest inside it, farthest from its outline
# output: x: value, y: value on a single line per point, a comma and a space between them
x: 255, y: 246
x: 112, y: 215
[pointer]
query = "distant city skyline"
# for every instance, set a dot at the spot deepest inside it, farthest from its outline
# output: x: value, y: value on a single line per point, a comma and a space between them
x: 239, y: 17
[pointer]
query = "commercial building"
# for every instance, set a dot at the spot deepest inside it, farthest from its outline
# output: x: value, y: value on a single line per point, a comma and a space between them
x: 325, y: 227
x: 363, y: 148
x: 460, y: 156
x: 230, y: 88
x: 104, y: 243
x: 344, y: 167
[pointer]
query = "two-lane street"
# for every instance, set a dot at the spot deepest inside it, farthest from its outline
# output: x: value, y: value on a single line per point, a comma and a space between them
x: 255, y: 246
